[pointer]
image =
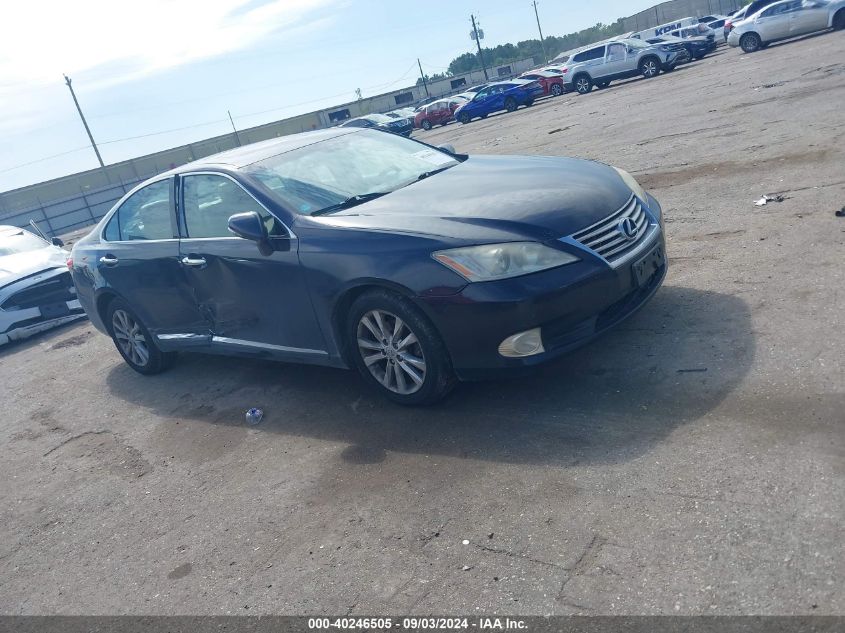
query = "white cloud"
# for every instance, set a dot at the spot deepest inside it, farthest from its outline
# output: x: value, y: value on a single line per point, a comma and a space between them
x: 41, y: 40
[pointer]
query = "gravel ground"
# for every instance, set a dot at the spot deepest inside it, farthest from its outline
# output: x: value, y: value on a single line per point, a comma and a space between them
x: 689, y: 462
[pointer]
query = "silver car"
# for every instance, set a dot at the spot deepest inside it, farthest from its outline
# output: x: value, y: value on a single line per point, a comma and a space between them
x: 36, y: 291
x: 785, y: 19
x: 600, y: 64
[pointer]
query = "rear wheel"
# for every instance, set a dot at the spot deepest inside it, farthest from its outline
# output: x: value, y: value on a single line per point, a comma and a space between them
x: 134, y: 341
x: 750, y: 42
x: 649, y: 67
x: 557, y: 90
x: 510, y: 104
x: 583, y: 84
x: 426, y: 124
x: 397, y: 350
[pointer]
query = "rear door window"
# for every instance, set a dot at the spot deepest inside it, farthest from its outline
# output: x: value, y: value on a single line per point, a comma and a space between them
x: 145, y: 215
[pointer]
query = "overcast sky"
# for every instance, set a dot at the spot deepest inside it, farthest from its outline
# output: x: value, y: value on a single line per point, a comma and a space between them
x: 165, y: 73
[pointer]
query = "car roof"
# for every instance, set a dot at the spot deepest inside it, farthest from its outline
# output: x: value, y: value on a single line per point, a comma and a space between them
x: 248, y: 154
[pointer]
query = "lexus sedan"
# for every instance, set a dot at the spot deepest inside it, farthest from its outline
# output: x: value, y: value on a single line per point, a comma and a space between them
x: 352, y: 248
x: 785, y: 19
x: 36, y: 291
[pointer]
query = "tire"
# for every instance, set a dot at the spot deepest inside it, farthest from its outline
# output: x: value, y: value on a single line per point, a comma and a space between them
x: 511, y: 104
x: 839, y: 20
x: 583, y: 84
x: 410, y: 366
x: 556, y: 90
x: 750, y: 43
x: 463, y: 117
x: 649, y: 67
x: 426, y: 125
x: 134, y: 341
x: 529, y: 103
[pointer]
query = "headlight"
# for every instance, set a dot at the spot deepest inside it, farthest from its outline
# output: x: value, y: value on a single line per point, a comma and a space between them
x: 632, y: 183
x: 500, y: 261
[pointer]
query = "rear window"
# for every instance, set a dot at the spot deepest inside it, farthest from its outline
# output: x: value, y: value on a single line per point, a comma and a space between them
x: 593, y: 53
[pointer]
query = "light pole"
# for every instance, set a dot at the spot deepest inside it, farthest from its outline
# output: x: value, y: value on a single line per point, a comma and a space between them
x: 84, y: 122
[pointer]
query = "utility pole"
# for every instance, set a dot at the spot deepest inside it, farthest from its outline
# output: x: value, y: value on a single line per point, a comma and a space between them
x: 84, y: 122
x: 237, y: 136
x: 425, y: 83
x: 539, y: 28
x: 478, y: 41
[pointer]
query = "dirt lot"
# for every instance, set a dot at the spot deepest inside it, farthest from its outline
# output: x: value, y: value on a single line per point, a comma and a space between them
x: 689, y: 462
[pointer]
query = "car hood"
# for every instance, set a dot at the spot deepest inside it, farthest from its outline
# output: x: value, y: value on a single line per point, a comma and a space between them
x: 507, y: 197
x: 20, y: 265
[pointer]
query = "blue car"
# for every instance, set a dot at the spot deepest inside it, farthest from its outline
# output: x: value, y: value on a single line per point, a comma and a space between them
x: 503, y: 95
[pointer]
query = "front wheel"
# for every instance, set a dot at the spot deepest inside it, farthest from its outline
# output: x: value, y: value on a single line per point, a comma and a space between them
x: 649, y: 68
x: 463, y: 117
x: 134, y: 341
x: 557, y: 90
x: 397, y: 350
x: 426, y: 125
x: 839, y: 20
x: 510, y: 104
x: 750, y: 43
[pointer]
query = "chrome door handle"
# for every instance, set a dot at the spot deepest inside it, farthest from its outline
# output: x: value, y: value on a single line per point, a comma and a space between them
x: 108, y: 260
x: 193, y: 261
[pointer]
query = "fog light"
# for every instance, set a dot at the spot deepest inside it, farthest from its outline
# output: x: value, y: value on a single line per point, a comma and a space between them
x: 525, y: 343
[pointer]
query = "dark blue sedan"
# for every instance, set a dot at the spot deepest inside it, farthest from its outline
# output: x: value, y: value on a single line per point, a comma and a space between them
x: 503, y: 95
x: 357, y: 248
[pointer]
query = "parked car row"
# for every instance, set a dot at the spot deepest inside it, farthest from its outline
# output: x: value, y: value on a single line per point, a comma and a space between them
x: 781, y: 20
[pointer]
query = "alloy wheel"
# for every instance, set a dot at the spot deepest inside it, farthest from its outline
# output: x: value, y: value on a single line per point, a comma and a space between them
x: 650, y: 68
x: 583, y: 85
x: 391, y: 352
x: 130, y: 338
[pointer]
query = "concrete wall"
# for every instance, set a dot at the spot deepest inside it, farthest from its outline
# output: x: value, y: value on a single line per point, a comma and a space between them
x: 668, y: 11
x: 81, y: 199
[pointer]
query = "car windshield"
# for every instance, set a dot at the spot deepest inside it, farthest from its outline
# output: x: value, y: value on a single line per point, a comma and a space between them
x: 634, y: 43
x: 347, y: 169
x: 22, y: 242
x: 378, y: 118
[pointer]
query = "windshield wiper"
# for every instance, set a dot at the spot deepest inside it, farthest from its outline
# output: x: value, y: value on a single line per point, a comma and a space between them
x: 426, y: 174
x: 351, y: 202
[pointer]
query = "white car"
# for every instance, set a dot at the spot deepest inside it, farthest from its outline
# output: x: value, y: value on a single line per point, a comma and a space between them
x: 785, y: 19
x: 36, y: 291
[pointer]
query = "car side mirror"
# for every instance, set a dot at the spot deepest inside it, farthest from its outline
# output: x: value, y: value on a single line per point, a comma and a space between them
x: 57, y: 241
x: 250, y: 227
x: 448, y: 148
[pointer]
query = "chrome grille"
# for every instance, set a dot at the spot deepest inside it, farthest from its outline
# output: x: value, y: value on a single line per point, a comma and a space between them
x: 605, y: 237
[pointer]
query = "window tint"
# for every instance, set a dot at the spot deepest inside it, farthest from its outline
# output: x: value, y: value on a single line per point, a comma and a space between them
x: 145, y: 215
x: 717, y: 24
x: 209, y: 202
x: 593, y: 53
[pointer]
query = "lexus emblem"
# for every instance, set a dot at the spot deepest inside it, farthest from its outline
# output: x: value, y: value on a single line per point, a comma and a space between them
x: 628, y: 228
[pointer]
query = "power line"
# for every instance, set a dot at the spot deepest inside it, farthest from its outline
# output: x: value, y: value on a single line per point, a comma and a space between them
x: 41, y: 160
x: 539, y: 28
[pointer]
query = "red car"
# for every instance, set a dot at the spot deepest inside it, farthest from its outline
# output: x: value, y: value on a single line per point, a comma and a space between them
x: 437, y: 113
x: 552, y: 83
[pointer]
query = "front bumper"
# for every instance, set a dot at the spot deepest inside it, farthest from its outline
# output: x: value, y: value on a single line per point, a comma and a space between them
x: 571, y: 304
x: 37, y: 303
x: 733, y: 38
